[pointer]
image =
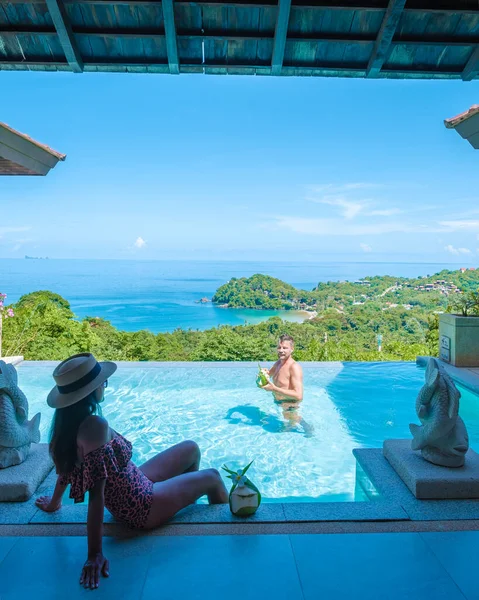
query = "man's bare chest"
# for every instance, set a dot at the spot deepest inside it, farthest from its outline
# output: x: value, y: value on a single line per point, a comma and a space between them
x: 281, y: 376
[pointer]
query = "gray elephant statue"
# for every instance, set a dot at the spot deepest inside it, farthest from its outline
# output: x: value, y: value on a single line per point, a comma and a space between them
x: 442, y: 437
x: 17, y: 433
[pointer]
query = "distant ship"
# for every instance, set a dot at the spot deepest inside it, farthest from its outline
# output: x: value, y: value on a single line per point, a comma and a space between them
x: 36, y: 257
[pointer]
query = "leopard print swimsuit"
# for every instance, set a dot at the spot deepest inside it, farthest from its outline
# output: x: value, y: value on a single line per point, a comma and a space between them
x: 128, y: 491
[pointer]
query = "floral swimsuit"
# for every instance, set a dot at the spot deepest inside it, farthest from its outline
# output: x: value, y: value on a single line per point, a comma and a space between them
x: 128, y: 491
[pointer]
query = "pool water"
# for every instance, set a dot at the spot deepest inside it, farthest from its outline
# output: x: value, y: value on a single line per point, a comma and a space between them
x: 219, y: 406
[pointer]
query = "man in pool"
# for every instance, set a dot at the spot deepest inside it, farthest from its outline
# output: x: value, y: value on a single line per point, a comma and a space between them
x: 286, y: 380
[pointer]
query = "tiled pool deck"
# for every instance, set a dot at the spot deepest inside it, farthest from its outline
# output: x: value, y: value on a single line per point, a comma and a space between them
x: 393, y: 547
x: 413, y: 566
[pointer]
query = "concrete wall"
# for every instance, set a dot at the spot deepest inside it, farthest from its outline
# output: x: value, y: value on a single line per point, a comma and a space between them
x: 459, y: 340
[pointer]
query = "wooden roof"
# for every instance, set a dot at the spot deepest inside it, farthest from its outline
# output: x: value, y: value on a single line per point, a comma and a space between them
x: 352, y: 38
x: 21, y: 155
x: 467, y: 125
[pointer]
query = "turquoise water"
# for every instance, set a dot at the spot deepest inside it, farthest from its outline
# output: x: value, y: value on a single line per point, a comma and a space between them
x: 162, y: 295
x: 345, y: 406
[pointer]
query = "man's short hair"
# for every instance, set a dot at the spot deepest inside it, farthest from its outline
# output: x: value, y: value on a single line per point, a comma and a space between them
x: 286, y: 338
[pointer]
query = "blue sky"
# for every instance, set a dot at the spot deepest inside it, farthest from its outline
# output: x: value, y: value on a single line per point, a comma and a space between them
x: 203, y: 167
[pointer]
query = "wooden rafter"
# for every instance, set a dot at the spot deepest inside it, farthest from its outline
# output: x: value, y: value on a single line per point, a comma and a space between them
x: 306, y: 37
x: 143, y: 32
x: 67, y: 40
x: 126, y: 62
x: 385, y: 37
x: 170, y: 33
x: 471, y: 70
x: 280, y: 35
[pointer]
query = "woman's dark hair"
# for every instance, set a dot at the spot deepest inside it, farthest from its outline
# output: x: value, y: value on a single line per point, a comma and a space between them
x: 64, y: 430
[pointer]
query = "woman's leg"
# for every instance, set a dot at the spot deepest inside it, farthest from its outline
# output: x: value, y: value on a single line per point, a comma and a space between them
x: 179, y: 459
x: 174, y: 494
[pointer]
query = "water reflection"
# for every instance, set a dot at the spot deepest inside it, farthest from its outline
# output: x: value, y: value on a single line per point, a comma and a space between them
x: 247, y: 414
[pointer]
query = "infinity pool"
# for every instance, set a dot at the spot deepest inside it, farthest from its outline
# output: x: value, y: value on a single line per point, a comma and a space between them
x: 345, y: 406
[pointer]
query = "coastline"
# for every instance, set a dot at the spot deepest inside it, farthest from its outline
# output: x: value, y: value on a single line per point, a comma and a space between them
x: 164, y: 299
x: 309, y: 314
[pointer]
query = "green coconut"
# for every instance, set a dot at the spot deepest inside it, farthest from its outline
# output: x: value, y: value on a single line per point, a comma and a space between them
x: 261, y: 379
x: 244, y: 497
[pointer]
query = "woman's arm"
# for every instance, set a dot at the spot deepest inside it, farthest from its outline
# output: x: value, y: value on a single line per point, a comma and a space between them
x: 96, y: 563
x: 94, y: 432
x: 53, y: 503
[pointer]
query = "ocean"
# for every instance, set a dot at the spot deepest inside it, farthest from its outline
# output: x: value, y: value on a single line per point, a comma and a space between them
x: 162, y: 295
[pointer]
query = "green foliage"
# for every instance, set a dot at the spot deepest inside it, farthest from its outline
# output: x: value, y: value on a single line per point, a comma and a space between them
x: 350, y: 317
x: 258, y: 291
x: 466, y: 304
x: 43, y: 329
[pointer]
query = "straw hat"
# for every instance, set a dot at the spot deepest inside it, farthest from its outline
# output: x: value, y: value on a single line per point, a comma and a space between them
x: 76, y: 378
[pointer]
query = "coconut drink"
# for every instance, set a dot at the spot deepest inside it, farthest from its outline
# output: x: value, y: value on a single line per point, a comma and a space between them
x: 245, y: 497
x: 262, y: 378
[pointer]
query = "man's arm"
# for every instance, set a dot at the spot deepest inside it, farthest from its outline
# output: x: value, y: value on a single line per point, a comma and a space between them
x: 295, y: 392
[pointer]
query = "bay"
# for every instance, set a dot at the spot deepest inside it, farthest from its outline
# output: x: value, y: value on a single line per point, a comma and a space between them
x: 162, y: 295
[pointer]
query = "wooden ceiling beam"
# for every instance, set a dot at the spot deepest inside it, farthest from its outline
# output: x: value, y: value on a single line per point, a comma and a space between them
x: 462, y: 41
x: 385, y: 37
x: 471, y: 70
x: 364, y: 6
x: 62, y: 25
x: 129, y: 62
x: 280, y: 35
x: 170, y: 33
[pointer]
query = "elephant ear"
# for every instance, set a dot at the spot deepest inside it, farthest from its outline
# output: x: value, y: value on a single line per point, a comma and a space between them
x: 8, y: 376
x: 3, y: 370
x: 432, y: 373
x: 430, y: 385
x: 433, y: 378
x: 13, y: 374
x: 454, y: 397
x: 3, y: 383
x: 21, y: 412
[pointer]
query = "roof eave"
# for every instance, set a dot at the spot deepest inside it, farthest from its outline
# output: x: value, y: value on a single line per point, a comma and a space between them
x: 453, y: 122
x: 22, y: 155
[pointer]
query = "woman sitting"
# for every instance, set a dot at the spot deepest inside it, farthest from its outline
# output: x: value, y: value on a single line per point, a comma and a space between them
x: 92, y: 457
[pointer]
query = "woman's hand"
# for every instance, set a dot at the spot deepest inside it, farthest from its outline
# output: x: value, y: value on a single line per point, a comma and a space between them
x: 90, y: 575
x: 46, y: 504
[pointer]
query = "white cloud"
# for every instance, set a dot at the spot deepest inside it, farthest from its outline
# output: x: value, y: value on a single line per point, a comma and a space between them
x: 19, y: 244
x: 332, y: 188
x: 387, y: 212
x: 4, y: 230
x: 344, y: 196
x: 139, y: 243
x: 309, y: 226
x: 456, y: 251
x: 459, y: 225
x: 365, y: 247
x: 350, y: 208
